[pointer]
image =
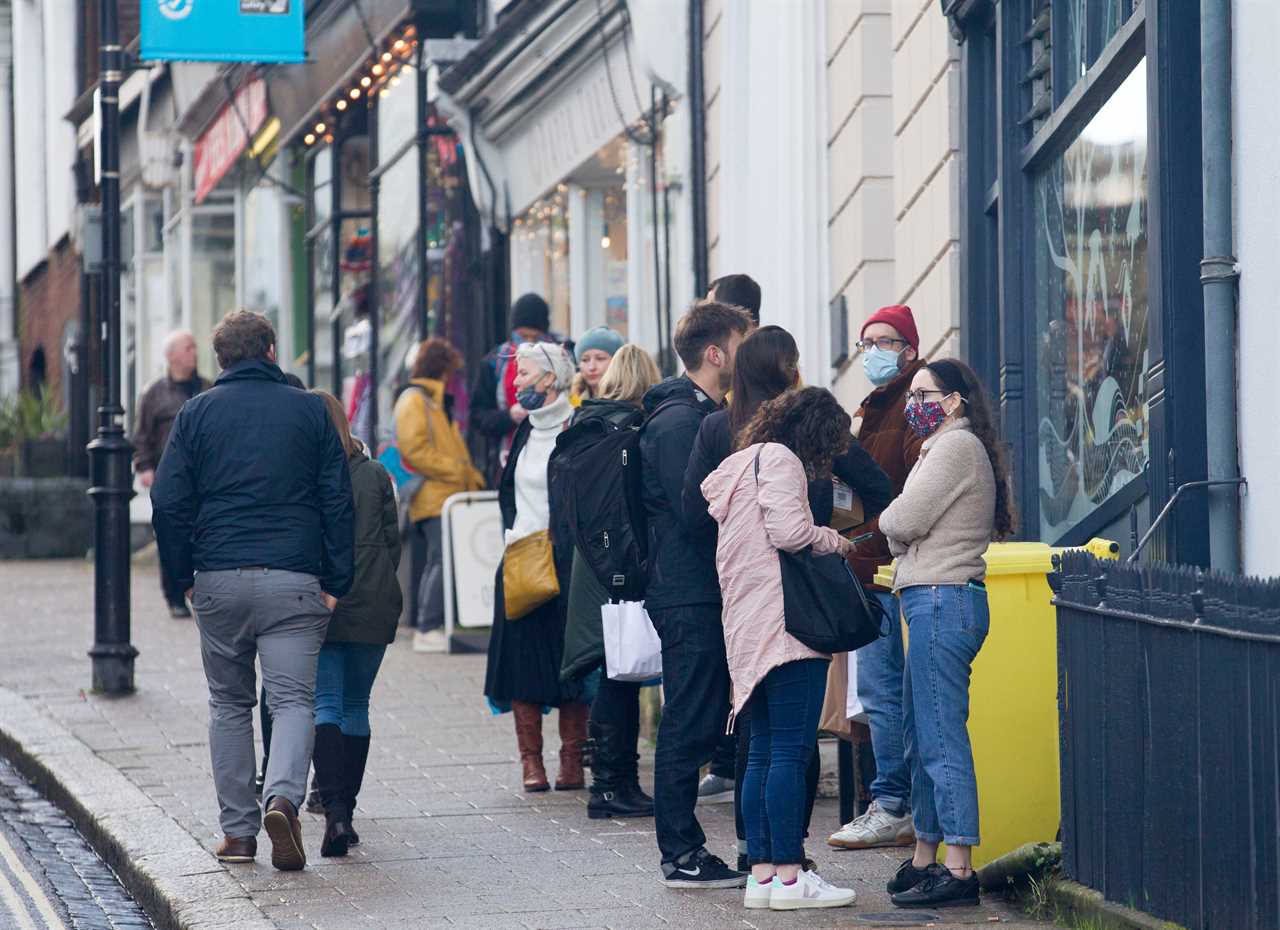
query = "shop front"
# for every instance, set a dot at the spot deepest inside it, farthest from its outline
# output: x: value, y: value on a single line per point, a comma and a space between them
x: 1082, y: 248
x: 579, y: 160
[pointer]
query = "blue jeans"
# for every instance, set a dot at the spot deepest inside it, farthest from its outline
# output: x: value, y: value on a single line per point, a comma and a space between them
x: 784, y: 730
x: 344, y: 678
x: 947, y: 625
x: 880, y: 671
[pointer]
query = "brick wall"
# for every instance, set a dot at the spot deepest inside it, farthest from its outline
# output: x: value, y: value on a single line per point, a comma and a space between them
x: 48, y: 299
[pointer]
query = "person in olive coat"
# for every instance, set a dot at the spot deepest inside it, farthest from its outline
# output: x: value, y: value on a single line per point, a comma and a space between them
x: 362, y: 626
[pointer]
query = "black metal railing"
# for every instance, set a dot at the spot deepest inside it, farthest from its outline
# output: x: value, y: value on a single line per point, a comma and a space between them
x: 1169, y: 701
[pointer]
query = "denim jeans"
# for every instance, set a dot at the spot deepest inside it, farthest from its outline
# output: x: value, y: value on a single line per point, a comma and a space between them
x: 784, y: 730
x: 880, y: 671
x: 695, y: 686
x: 947, y: 625
x: 344, y: 678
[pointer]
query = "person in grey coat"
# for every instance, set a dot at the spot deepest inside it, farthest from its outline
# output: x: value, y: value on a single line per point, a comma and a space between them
x: 362, y: 626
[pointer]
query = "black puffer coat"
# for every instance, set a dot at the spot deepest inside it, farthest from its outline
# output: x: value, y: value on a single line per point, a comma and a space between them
x: 583, y: 635
x: 371, y: 609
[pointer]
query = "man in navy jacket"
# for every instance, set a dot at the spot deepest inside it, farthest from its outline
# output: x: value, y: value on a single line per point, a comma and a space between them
x: 252, y: 507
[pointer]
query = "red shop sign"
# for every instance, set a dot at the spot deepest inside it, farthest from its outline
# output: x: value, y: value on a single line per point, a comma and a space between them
x: 221, y: 144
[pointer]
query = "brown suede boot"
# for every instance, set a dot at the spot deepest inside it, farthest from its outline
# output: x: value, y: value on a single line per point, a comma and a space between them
x: 529, y: 739
x: 573, y: 733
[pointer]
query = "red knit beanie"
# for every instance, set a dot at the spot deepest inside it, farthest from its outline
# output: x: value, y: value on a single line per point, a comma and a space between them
x: 899, y: 317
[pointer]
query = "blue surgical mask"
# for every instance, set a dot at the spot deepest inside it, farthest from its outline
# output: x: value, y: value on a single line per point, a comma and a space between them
x: 880, y: 365
x: 531, y: 398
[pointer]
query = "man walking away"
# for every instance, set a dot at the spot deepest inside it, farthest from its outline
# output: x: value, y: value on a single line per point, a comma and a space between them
x: 252, y: 504
x: 158, y: 406
x: 737, y: 290
x: 890, y: 349
x: 683, y: 593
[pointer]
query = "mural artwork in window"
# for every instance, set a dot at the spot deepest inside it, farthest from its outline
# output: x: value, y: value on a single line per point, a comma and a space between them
x: 1091, y: 313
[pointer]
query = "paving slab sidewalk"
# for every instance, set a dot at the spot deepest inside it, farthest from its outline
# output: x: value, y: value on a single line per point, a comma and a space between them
x: 449, y: 838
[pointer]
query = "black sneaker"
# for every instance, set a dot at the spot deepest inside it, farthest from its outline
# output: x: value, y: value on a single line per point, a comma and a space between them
x: 906, y: 878
x: 940, y: 889
x: 700, y: 869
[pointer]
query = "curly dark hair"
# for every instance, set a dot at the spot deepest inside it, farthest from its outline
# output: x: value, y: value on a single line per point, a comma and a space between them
x: 810, y: 422
x: 955, y: 377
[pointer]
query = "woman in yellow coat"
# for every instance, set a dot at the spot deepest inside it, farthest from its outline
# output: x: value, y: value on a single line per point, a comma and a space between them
x: 431, y: 444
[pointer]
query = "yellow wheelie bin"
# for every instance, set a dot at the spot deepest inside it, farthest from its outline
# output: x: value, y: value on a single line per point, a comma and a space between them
x: 1013, y: 699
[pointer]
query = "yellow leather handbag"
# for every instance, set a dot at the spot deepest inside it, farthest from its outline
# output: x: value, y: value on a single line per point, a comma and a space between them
x: 528, y: 575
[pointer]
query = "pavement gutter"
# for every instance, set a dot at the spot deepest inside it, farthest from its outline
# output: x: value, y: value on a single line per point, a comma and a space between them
x: 1085, y: 904
x: 179, y: 883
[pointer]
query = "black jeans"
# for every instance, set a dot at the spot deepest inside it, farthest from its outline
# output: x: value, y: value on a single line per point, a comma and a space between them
x: 724, y: 762
x: 695, y: 683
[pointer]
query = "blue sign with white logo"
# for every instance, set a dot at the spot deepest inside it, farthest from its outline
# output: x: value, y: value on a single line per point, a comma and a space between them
x: 222, y: 30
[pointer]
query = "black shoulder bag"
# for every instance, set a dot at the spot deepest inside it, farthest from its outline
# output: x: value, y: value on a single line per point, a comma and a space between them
x: 824, y: 605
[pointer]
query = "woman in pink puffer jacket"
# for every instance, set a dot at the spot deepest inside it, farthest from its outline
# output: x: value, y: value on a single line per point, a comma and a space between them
x: 759, y: 497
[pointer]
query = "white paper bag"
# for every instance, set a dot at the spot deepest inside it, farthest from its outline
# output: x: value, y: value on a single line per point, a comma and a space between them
x: 632, y: 650
x: 853, y: 709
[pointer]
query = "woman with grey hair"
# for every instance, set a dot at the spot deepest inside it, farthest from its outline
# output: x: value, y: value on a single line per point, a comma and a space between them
x: 523, y: 671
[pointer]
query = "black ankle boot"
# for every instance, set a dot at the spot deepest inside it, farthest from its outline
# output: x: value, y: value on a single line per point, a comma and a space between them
x: 355, y: 751
x: 337, y: 826
x: 626, y: 801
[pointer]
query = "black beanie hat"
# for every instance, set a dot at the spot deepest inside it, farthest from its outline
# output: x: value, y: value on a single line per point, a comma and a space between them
x: 532, y: 311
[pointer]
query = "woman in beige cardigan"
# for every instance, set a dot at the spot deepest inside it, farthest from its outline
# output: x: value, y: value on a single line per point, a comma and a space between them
x: 956, y: 500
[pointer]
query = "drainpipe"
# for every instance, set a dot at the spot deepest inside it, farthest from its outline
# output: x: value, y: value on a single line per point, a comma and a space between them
x: 1218, y: 278
x: 697, y: 150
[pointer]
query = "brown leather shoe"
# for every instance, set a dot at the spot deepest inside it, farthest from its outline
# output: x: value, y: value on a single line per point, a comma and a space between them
x: 237, y: 849
x: 573, y: 733
x: 282, y: 825
x: 529, y: 739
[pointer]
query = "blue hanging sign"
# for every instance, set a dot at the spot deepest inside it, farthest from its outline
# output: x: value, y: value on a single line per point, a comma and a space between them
x: 222, y: 30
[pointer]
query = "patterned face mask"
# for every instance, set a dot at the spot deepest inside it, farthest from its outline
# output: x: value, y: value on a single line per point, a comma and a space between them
x: 925, y: 418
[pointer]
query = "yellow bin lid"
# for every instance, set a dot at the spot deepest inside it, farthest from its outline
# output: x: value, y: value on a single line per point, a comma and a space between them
x: 1020, y: 558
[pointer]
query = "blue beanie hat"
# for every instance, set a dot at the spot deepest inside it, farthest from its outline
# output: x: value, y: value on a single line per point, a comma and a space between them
x: 603, y: 338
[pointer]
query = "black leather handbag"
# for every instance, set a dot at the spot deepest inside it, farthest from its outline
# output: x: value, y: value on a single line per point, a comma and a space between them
x: 824, y: 604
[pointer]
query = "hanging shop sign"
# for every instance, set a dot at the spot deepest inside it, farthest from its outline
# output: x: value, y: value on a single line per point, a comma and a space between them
x: 220, y: 145
x: 222, y: 30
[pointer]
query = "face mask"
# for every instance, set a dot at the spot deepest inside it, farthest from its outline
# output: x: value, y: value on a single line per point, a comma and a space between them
x: 880, y: 365
x: 531, y: 398
x: 925, y: 418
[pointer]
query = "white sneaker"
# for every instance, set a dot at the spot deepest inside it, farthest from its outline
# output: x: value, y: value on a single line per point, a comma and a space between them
x: 430, y: 641
x: 757, y: 896
x: 877, y: 827
x: 809, y: 890
x: 715, y: 790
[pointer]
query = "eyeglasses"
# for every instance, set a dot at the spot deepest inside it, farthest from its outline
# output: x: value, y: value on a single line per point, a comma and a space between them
x: 887, y: 343
x: 917, y: 397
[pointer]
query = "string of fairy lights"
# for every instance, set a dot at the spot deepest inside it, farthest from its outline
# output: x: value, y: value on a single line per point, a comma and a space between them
x: 375, y: 76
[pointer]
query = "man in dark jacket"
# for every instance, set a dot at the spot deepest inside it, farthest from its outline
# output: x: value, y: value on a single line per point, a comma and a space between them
x: 683, y: 594
x: 252, y: 506
x: 157, y: 408
x: 890, y: 349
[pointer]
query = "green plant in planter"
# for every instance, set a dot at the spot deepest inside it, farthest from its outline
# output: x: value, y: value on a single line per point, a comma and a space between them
x: 30, y: 416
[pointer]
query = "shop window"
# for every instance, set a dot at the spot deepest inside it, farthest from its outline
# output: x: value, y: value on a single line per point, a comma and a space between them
x: 1091, y: 215
x: 540, y: 255
x: 213, y: 269
x: 1082, y: 32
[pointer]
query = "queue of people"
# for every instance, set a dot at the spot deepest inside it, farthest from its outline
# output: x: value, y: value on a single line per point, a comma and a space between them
x: 738, y: 464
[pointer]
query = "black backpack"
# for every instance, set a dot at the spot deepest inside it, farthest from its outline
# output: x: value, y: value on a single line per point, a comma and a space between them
x: 596, y: 472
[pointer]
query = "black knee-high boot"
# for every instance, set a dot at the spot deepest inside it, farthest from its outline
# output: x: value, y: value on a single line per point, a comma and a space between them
x: 329, y: 760
x: 355, y: 750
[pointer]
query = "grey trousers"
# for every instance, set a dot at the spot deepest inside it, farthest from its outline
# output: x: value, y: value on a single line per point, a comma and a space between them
x: 431, y: 583
x: 281, y: 618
